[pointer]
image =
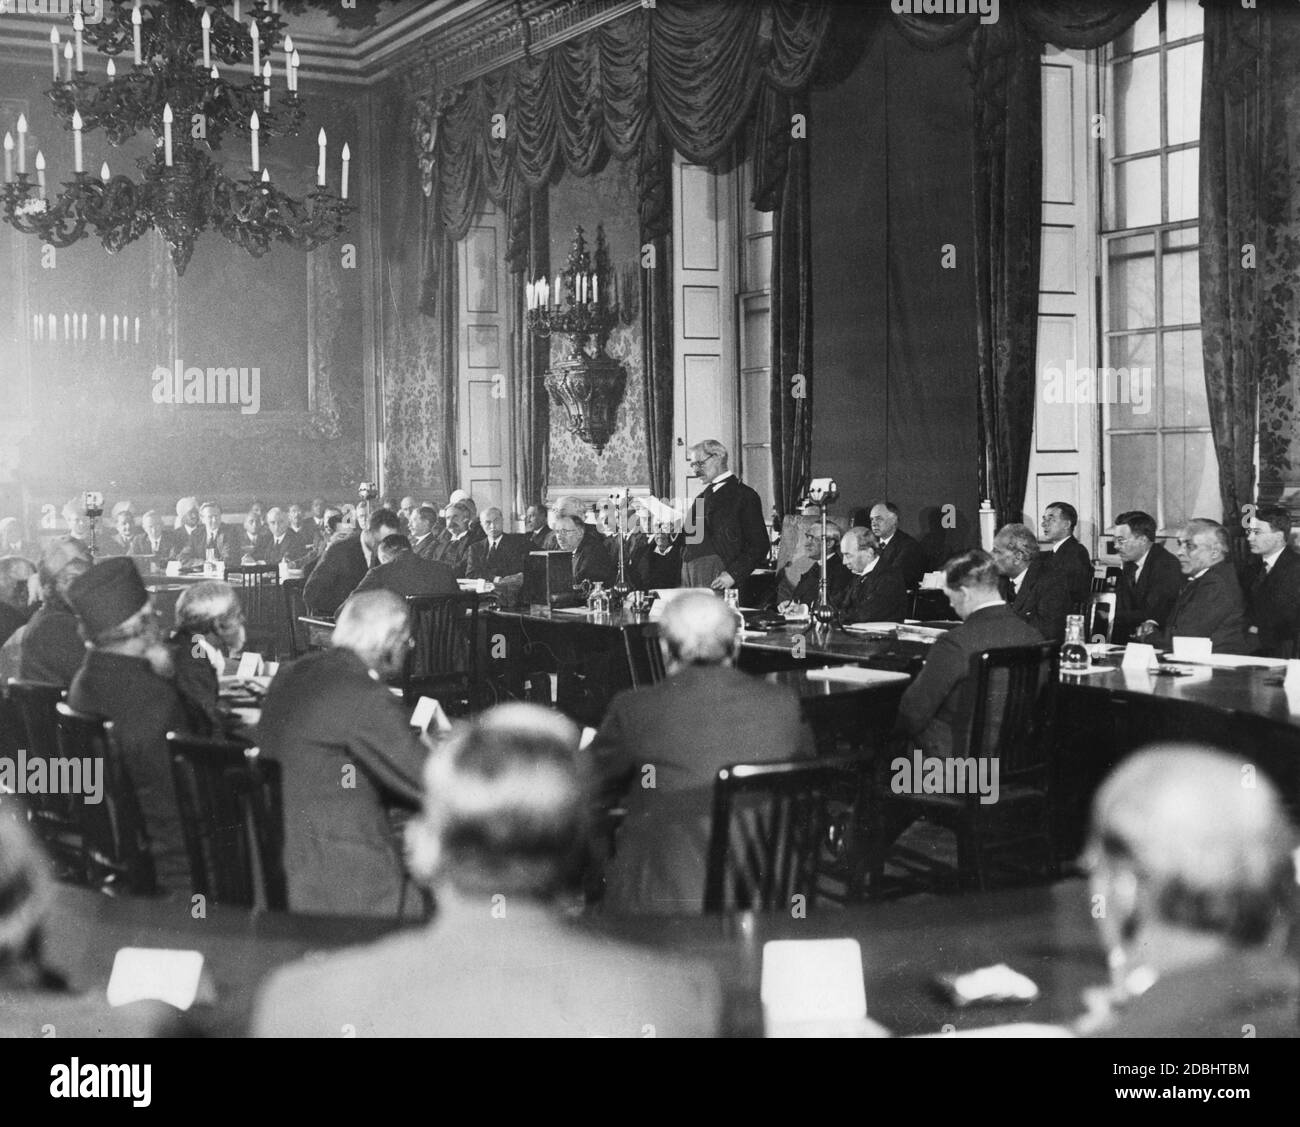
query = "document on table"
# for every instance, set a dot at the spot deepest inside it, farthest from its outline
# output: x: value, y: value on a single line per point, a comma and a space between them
x: 856, y: 674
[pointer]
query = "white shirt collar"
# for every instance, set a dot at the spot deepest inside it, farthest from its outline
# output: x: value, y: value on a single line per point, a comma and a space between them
x: 1063, y: 540
x: 1271, y: 558
x: 989, y: 603
x: 721, y: 478
x: 868, y: 569
x: 1017, y: 580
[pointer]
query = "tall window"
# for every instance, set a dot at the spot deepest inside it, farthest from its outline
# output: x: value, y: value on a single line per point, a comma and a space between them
x: 1159, y: 452
x: 755, y: 338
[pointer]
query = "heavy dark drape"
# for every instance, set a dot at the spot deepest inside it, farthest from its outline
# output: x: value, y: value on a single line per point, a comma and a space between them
x: 528, y: 249
x: 1250, y: 243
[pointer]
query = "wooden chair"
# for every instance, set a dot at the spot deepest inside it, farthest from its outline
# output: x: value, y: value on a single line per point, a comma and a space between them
x: 645, y: 657
x: 258, y: 587
x: 1099, y: 617
x: 293, y: 633
x: 34, y: 728
x: 1010, y: 711
x: 115, y: 846
x: 231, y: 815
x: 443, y: 662
x: 770, y: 830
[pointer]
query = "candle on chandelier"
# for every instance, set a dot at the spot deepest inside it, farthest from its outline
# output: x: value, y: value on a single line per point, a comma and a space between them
x: 83, y: 326
x: 216, y: 74
x: 266, y: 176
x: 295, y: 63
x: 256, y: 36
x: 104, y: 174
x: 137, y: 330
x: 593, y: 290
x: 253, y: 127
x: 288, y: 54
x: 66, y: 335
x: 22, y: 144
x: 78, y: 26
x: 320, y: 159
x: 559, y: 292
x: 54, y: 51
x: 9, y: 158
x: 206, y: 24
x: 135, y: 35
x: 115, y: 328
x: 167, y: 134
x: 266, y: 79
x: 77, y: 125
x: 111, y: 70
x: 40, y: 172
x: 347, y: 156
x: 67, y: 62
x: 103, y: 321
x: 234, y: 15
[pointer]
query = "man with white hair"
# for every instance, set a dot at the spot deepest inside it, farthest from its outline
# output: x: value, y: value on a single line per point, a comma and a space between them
x: 1210, y: 603
x: 1191, y: 858
x: 454, y: 550
x: 346, y: 752
x: 501, y: 841
x: 283, y: 543
x: 876, y: 592
x: 726, y: 535
x: 703, y: 716
x: 189, y: 525
x: 1035, y: 592
x: 156, y: 542
x: 209, y: 629
x: 499, y: 556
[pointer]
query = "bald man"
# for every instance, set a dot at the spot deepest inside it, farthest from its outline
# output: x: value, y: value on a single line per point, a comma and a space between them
x: 876, y: 591
x: 1191, y: 857
x: 703, y: 716
x: 347, y: 753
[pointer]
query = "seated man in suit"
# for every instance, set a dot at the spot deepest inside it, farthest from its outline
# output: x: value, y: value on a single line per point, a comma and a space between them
x: 590, y: 558
x: 1273, y: 587
x: 284, y: 545
x: 1149, y: 581
x: 346, y: 751
x: 216, y: 541
x: 501, y: 841
x: 156, y: 542
x: 1197, y: 876
x: 119, y: 541
x: 875, y: 592
x: 304, y: 525
x: 253, y: 541
x: 704, y: 715
x: 897, y: 548
x: 15, y: 608
x: 345, y: 564
x: 931, y: 706
x: 424, y: 541
x: 536, y: 528
x: 127, y: 677
x: 209, y: 630
x: 189, y: 528
x: 404, y: 573
x: 1033, y: 589
x: 800, y: 580
x: 52, y: 648
x: 1068, y: 557
x: 499, y: 556
x: 454, y: 551
x: 660, y: 566
x: 635, y: 543
x: 1211, y: 604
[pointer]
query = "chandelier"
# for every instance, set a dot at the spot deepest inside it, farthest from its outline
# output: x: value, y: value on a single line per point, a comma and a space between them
x: 170, y: 82
x: 588, y: 385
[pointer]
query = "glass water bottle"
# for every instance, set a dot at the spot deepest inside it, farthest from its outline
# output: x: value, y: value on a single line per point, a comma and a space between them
x: 1074, y: 654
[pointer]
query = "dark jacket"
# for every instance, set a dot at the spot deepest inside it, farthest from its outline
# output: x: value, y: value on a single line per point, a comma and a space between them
x: 1210, y: 607
x: 426, y: 547
x: 655, y: 570
x: 1042, y: 601
x: 1273, y: 599
x: 1152, y: 598
x: 591, y: 560
x: 507, y: 559
x: 144, y: 708
x: 1073, y: 564
x: 256, y: 547
x: 408, y: 574
x: 292, y: 547
x: 52, y: 647
x: 336, y: 576
x: 932, y: 711
x: 687, y: 727
x: 227, y: 545
x: 345, y: 749
x: 878, y: 596
x: 141, y: 546
x: 808, y: 589
x: 904, y: 553
x: 727, y: 521
x: 455, y: 553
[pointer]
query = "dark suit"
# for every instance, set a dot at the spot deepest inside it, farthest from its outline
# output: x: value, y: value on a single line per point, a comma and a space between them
x: 591, y: 560
x: 425, y: 547
x: 336, y: 576
x: 1273, y: 599
x: 727, y: 519
x: 635, y: 547
x: 476, y: 973
x: 291, y: 547
x: 199, y: 686
x: 52, y: 647
x: 144, y: 708
x: 932, y: 704
x: 808, y: 589
x: 455, y: 554
x: 538, y: 538
x: 696, y: 721
x: 1042, y: 600
x: 878, y: 596
x: 507, y: 558
x: 11, y: 621
x: 143, y: 547
x: 661, y: 570
x: 1073, y: 564
x: 255, y: 547
x: 1210, y: 607
x: 114, y: 545
x: 227, y: 544
x: 904, y: 553
x: 345, y: 749
x: 408, y: 574
x: 1152, y: 597
x: 187, y: 543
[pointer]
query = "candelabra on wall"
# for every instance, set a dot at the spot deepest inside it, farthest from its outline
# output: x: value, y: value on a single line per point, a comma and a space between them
x: 589, y: 385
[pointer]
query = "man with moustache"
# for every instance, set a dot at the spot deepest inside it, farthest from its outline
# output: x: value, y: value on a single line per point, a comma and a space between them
x: 1211, y: 604
x: 726, y: 538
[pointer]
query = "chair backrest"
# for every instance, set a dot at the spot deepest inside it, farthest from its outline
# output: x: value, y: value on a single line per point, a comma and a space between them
x: 444, y: 637
x: 258, y: 588
x: 113, y: 834
x: 32, y: 705
x: 645, y: 656
x: 1012, y: 709
x: 231, y: 815
x: 1099, y: 617
x: 770, y: 822
x: 295, y: 634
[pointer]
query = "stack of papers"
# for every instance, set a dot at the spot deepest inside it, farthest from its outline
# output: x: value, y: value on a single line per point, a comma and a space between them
x: 857, y: 675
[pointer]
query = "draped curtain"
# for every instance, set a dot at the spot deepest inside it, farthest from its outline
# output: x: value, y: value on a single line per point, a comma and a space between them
x: 528, y: 249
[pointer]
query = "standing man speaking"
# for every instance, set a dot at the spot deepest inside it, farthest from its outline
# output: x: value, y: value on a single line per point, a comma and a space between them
x: 726, y: 537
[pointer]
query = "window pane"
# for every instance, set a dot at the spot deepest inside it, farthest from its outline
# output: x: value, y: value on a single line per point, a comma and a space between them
x: 1191, y: 479
x: 1185, y: 400
x: 1132, y: 281
x: 755, y: 397
x: 1144, y: 33
x: 1181, y: 277
x: 1137, y: 193
x: 1133, y: 472
x: 758, y: 264
x: 1184, y: 185
x: 1137, y: 89
x: 1183, y: 93
x: 756, y: 345
x: 1183, y: 18
x: 1129, y: 382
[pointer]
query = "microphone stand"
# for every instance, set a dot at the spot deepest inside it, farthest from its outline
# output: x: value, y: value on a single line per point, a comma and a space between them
x: 823, y: 613
x: 621, y: 587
